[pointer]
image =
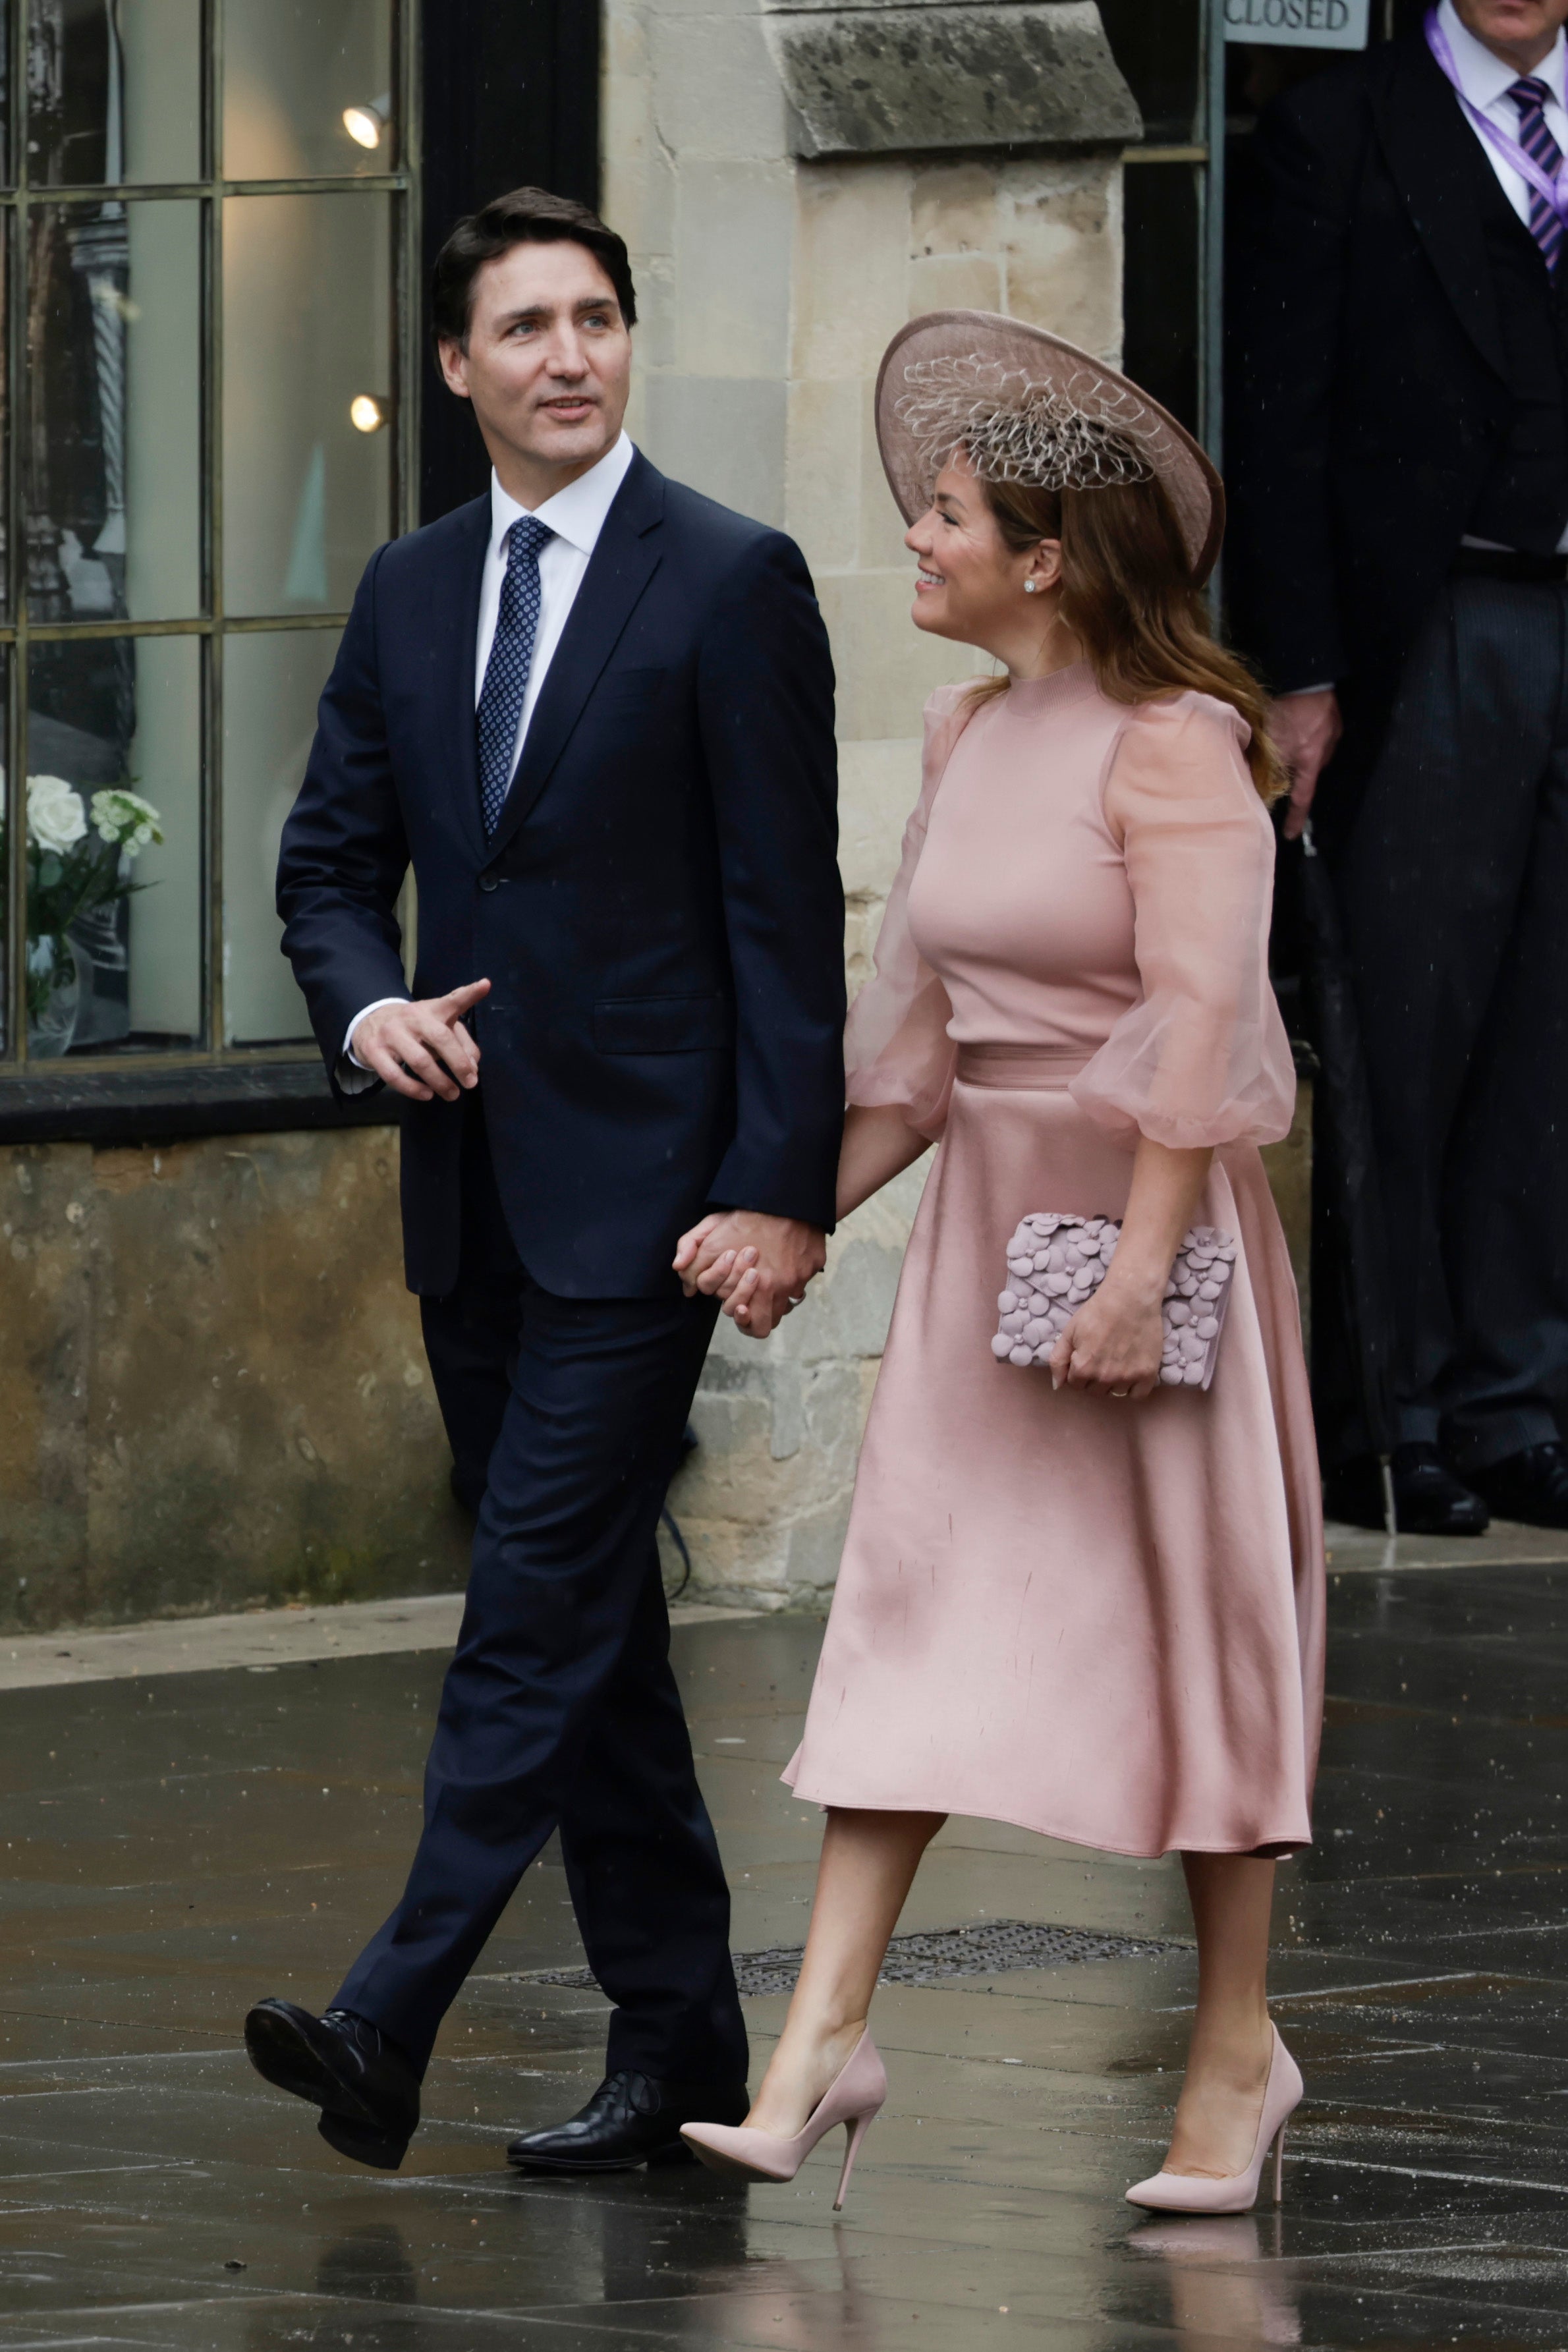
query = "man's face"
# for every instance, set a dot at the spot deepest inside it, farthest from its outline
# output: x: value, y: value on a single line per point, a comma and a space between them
x: 1512, y: 23
x: 549, y: 357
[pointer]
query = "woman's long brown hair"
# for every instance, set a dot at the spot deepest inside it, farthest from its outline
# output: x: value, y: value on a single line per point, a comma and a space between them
x: 1128, y: 597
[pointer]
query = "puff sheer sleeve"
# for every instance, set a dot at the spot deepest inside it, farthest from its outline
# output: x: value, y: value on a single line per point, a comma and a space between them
x: 1203, y: 1058
x: 896, y: 1046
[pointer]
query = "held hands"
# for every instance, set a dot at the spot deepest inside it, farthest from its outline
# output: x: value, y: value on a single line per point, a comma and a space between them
x: 1306, y: 730
x: 758, y: 1265
x: 1112, y: 1346
x: 423, y: 1049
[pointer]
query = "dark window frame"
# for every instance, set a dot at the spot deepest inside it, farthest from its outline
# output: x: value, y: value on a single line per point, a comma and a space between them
x: 487, y: 99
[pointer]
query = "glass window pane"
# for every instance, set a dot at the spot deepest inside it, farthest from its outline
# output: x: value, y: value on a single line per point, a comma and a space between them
x: 114, y: 383
x: 306, y: 88
x: 1161, y: 284
x: 272, y: 682
x: 114, y: 91
x: 1158, y: 46
x: 114, y: 925
x: 307, y: 337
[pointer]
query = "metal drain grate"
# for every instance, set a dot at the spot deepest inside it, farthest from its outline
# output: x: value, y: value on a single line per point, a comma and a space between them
x: 983, y: 1952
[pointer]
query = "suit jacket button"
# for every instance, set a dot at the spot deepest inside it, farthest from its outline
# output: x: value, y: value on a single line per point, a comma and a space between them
x: 490, y: 881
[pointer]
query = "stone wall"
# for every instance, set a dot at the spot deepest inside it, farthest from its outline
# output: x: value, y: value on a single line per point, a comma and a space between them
x: 779, y: 238
x: 213, y: 1393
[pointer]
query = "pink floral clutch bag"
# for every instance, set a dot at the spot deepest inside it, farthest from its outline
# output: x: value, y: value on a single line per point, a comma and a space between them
x: 1054, y: 1263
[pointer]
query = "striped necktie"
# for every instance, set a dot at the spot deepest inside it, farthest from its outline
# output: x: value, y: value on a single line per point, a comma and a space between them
x: 505, y: 689
x: 1545, y: 221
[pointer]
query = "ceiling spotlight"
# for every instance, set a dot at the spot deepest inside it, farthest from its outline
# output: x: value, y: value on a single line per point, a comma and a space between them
x: 366, y: 413
x: 365, y: 123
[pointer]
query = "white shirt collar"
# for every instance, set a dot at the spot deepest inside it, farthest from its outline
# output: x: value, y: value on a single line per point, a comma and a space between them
x: 575, y: 514
x: 1484, y: 76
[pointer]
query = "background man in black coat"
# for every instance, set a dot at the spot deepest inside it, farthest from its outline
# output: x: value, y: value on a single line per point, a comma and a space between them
x: 594, y: 712
x: 1399, y: 522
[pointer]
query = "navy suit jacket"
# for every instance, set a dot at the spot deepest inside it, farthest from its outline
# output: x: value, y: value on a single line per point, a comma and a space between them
x: 658, y: 911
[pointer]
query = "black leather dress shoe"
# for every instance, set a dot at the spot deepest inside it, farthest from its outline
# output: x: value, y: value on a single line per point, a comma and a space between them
x: 367, y: 2091
x: 1531, y: 1486
x: 631, y: 2119
x: 1428, y: 1500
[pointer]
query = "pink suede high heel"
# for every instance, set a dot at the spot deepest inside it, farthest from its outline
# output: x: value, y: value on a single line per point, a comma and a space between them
x: 1190, y: 2192
x: 854, y: 2099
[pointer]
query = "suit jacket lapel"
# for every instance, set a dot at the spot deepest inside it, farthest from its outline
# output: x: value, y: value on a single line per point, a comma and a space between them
x: 1432, y: 153
x: 454, y: 621
x: 622, y: 564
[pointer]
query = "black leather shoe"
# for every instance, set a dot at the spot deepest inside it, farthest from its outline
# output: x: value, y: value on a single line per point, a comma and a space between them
x: 1428, y: 1500
x: 367, y: 2091
x: 631, y: 2119
x: 1531, y: 1486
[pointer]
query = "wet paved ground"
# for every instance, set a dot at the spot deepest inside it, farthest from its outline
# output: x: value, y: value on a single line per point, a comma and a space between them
x: 178, y: 1844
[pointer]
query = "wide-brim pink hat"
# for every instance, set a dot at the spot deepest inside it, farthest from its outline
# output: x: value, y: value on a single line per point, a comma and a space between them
x: 1031, y: 408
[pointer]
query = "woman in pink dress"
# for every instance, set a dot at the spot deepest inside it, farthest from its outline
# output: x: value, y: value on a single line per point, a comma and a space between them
x: 1078, y: 1598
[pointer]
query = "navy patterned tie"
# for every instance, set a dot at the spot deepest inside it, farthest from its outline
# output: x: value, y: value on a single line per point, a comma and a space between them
x: 1545, y: 221
x: 506, y: 672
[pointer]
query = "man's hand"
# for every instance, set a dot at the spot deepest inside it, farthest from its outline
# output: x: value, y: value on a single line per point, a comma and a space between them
x: 423, y: 1049
x: 758, y: 1265
x: 1305, y: 729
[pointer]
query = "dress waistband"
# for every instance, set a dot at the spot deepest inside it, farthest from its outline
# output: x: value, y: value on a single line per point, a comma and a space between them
x: 1036, y: 1068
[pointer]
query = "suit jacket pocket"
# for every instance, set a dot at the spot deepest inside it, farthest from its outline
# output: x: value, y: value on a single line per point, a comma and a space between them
x: 662, y: 1024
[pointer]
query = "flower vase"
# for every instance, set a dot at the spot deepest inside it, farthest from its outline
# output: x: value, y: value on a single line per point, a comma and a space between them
x: 54, y: 997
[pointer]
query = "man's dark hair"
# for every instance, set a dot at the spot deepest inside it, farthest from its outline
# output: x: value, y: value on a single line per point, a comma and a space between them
x: 526, y: 216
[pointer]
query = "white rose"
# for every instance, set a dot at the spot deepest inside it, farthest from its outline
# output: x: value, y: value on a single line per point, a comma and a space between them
x: 126, y: 818
x: 55, y: 818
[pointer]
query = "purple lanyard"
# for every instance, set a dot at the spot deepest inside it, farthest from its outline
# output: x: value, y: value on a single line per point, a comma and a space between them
x: 1555, y: 192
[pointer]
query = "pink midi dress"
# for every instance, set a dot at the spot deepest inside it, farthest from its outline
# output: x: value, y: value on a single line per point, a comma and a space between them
x: 1097, y: 1618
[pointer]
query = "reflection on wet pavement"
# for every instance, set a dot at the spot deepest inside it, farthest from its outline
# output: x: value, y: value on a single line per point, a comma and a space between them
x: 177, y: 1844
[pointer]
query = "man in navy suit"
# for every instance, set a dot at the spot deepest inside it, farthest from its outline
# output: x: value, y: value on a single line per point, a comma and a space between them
x: 593, y: 711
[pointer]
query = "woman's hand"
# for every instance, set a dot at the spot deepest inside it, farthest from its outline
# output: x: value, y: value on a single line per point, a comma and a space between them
x: 757, y: 1266
x: 1112, y: 1346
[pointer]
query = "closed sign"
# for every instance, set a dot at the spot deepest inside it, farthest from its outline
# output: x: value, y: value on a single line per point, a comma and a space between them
x: 1299, y: 24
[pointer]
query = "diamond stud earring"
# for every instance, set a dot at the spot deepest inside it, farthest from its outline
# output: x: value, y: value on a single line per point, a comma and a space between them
x: 1030, y: 586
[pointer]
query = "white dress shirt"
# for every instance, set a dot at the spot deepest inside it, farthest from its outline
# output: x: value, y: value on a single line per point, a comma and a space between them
x: 1486, y: 80
x: 576, y: 515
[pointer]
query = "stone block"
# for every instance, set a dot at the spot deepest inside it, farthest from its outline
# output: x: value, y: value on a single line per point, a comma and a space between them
x: 1062, y: 250
x: 230, y: 1404
x: 656, y: 333
x: 920, y: 79
x: 46, y: 1381
x: 733, y: 229
x: 715, y: 92
x: 885, y: 666
x: 624, y: 44
x: 850, y: 276
x: 726, y: 439
x: 878, y: 784
x: 822, y: 478
x: 882, y: 526
x: 955, y: 281
x: 954, y: 209
x: 640, y: 205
